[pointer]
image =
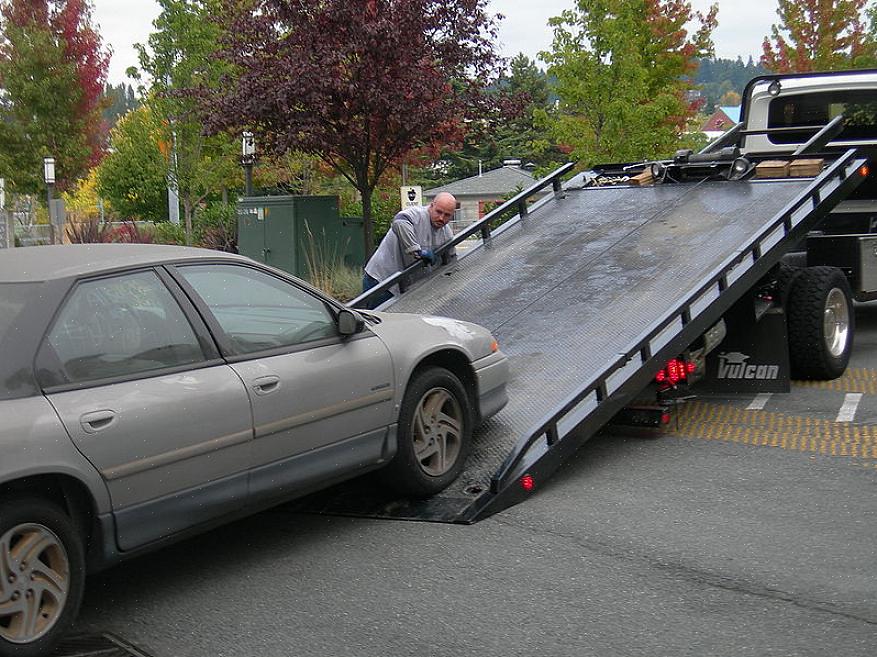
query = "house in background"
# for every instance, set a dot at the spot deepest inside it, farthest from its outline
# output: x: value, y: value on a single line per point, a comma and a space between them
x: 476, y: 193
x: 723, y: 119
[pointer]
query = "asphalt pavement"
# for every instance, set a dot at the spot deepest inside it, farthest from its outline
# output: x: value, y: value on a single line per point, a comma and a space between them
x: 689, y: 544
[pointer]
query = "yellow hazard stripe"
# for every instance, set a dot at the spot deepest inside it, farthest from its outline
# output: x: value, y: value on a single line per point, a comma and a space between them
x: 709, y: 421
x: 855, y: 379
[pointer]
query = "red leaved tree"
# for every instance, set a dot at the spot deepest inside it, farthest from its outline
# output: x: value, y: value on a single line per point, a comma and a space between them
x: 52, y: 72
x: 816, y: 35
x: 83, y: 48
x: 359, y: 83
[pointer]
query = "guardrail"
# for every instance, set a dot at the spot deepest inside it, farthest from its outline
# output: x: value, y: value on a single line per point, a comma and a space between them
x: 483, y: 226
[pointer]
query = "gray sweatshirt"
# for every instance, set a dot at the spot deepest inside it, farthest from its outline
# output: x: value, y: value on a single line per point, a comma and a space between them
x: 410, y: 232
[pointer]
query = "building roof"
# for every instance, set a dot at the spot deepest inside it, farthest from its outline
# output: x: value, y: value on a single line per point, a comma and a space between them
x: 732, y: 112
x: 495, y: 182
x: 722, y: 119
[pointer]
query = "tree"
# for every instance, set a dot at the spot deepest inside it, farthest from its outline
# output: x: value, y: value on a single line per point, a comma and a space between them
x: 523, y: 90
x: 360, y: 84
x: 623, y: 68
x: 176, y: 57
x: 52, y: 71
x: 817, y: 35
x: 119, y: 101
x: 133, y: 176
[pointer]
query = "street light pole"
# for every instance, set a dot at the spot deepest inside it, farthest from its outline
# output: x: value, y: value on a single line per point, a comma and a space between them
x: 248, y: 159
x: 49, y: 177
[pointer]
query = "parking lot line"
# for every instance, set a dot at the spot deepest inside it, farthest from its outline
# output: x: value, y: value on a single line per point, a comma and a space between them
x: 847, y: 412
x: 759, y: 402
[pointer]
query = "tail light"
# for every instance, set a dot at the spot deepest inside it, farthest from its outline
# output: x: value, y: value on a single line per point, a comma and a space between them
x: 675, y: 371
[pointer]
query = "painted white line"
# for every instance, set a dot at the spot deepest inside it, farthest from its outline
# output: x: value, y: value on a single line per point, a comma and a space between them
x: 848, y: 410
x: 760, y: 401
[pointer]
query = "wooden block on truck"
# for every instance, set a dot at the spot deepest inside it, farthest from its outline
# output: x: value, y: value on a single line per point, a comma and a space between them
x: 806, y: 167
x: 772, y: 169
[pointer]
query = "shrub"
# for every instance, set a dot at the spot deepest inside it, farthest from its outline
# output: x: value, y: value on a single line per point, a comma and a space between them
x: 216, y: 227
x: 327, y: 269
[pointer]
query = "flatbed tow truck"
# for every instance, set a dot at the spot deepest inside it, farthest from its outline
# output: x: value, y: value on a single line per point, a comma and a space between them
x: 593, y: 290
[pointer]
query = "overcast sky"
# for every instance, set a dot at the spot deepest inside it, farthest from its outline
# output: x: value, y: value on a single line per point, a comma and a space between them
x: 742, y: 26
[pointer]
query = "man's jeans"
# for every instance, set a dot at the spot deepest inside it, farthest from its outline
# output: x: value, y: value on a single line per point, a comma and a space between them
x: 368, y: 282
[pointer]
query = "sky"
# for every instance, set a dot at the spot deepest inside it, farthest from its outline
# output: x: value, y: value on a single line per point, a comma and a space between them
x: 743, y: 24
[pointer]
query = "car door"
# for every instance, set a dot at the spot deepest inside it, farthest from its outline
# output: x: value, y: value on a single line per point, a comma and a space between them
x: 145, y: 397
x: 322, y: 403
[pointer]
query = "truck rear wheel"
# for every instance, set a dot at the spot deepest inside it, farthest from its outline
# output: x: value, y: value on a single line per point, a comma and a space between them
x: 821, y: 324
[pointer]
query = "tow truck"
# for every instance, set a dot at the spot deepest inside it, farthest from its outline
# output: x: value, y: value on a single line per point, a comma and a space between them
x: 736, y: 265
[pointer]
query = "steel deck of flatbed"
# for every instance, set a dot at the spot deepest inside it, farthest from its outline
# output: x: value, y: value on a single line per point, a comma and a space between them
x: 568, y: 291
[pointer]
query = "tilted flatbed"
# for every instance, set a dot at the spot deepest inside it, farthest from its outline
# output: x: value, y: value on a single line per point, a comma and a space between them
x: 590, y: 291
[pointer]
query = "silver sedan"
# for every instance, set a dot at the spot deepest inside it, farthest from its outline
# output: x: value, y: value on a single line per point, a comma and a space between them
x: 149, y: 392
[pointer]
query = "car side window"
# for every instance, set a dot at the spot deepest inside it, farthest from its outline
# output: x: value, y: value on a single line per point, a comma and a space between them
x: 258, y: 311
x: 120, y: 326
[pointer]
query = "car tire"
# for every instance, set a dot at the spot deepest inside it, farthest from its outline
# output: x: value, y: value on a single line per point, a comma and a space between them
x: 41, y: 561
x: 434, y: 435
x: 821, y: 324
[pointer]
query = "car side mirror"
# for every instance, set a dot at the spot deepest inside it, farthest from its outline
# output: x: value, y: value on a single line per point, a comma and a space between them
x: 349, y: 322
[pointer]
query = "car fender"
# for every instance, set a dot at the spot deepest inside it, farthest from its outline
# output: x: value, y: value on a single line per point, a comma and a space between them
x: 33, y: 442
x: 411, y: 339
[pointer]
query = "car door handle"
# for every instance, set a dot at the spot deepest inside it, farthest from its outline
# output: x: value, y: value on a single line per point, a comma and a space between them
x: 266, y: 384
x: 97, y: 420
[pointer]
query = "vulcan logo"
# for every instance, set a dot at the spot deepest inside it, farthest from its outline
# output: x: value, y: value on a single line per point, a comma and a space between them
x: 734, y: 366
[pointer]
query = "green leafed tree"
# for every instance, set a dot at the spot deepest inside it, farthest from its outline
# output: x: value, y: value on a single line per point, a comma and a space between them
x: 133, y: 175
x: 818, y: 35
x: 52, y: 71
x: 518, y: 134
x: 623, y: 68
x: 177, y: 56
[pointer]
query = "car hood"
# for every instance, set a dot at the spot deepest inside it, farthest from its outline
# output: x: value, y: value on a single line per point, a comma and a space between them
x: 427, y: 333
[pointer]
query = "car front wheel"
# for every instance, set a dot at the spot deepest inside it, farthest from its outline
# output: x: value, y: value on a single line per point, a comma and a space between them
x: 435, y: 433
x: 42, y: 576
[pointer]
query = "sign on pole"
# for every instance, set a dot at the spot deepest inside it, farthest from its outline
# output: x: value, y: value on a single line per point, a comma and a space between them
x: 412, y: 195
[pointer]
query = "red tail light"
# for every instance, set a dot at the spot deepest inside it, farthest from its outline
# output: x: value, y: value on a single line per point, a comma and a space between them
x: 675, y: 371
x: 528, y: 483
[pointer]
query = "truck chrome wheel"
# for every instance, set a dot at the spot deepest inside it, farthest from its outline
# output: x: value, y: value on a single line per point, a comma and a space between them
x: 437, y: 431
x: 836, y: 322
x: 34, y: 582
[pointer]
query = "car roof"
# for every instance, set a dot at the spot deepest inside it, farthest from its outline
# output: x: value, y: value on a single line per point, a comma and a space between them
x: 44, y: 263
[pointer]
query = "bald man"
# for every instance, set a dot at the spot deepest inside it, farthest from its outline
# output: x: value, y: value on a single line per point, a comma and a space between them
x: 415, y: 234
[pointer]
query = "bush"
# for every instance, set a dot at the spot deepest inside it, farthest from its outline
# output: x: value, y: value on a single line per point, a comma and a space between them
x: 327, y: 270
x: 90, y: 231
x: 216, y: 227
x: 168, y: 233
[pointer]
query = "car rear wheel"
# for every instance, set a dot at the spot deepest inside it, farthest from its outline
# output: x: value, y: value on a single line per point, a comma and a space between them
x: 434, y: 435
x: 42, y: 576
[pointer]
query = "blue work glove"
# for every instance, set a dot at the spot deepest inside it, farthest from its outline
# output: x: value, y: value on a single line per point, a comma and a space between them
x: 428, y: 255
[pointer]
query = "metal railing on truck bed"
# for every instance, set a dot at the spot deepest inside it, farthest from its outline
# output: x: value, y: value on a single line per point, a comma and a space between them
x: 590, y: 295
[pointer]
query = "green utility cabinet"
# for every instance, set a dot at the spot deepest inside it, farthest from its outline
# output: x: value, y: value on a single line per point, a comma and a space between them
x: 287, y: 231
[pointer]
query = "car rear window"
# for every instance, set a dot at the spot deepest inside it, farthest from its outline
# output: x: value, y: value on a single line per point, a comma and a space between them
x: 13, y: 297
x: 15, y: 332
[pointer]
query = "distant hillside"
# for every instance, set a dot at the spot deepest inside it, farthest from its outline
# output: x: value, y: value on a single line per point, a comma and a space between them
x: 121, y: 101
x: 717, y: 77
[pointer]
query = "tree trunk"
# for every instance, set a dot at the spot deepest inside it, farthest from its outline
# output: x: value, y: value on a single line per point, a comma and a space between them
x: 187, y: 212
x: 368, y: 228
